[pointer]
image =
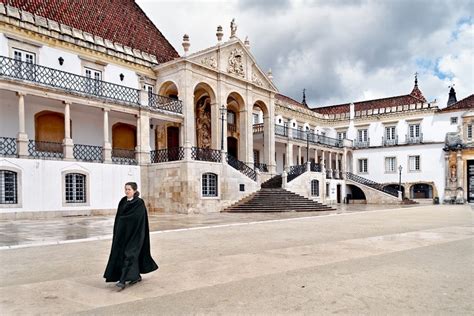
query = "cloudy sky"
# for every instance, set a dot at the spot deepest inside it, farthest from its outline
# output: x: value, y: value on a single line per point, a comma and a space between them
x: 339, y: 50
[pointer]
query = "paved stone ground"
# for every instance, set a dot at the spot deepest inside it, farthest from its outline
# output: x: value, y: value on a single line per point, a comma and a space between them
x: 50, y: 231
x: 393, y: 261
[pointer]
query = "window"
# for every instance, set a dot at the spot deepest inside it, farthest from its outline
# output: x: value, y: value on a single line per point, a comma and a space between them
x: 230, y: 117
x: 8, y: 187
x: 255, y: 118
x: 454, y: 120
x: 390, y: 163
x: 148, y: 88
x: 363, y: 165
x: 209, y: 185
x: 75, y: 188
x: 24, y: 64
x: 93, y: 82
x: 469, y: 131
x: 362, y: 135
x: 390, y: 133
x: 314, y: 187
x: 414, y: 130
x: 341, y: 135
x: 414, y: 162
x: 327, y: 189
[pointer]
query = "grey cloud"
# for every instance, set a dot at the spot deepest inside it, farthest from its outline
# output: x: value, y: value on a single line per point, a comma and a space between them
x: 264, y: 5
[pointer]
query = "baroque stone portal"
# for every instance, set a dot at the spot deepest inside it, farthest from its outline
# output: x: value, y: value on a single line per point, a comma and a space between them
x: 203, y: 122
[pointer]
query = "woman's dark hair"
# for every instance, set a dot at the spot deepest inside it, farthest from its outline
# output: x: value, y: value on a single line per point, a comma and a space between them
x: 134, y: 187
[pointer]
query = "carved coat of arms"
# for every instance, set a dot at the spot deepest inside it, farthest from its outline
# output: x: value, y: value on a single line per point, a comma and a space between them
x: 236, y: 63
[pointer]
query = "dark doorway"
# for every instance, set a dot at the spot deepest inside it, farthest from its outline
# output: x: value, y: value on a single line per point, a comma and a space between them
x: 421, y: 191
x: 172, y: 134
x: 470, y: 181
x: 232, y: 147
x: 338, y: 193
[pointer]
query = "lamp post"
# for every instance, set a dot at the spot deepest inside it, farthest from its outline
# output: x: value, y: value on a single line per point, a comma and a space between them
x: 223, y: 111
x: 400, y: 178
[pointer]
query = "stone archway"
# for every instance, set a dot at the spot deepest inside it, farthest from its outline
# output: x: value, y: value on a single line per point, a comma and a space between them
x: 49, y: 131
x: 205, y: 114
x: 421, y: 191
x: 169, y: 89
x: 236, y: 125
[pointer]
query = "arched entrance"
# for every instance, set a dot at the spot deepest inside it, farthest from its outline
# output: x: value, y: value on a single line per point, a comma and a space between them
x: 262, y: 147
x: 421, y: 191
x: 169, y: 89
x: 124, y: 140
x: 236, y: 122
x: 49, y: 131
x: 205, y: 115
x: 355, y: 195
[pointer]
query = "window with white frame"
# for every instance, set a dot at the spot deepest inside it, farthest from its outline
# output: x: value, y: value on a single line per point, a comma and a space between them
x: 362, y: 135
x: 93, y: 83
x: 454, y: 120
x: 148, y: 88
x: 25, y: 56
x: 8, y: 187
x: 390, y: 133
x: 390, y: 164
x: 414, y: 130
x: 341, y: 135
x: 414, y: 163
x: 363, y: 165
x: 255, y: 118
x: 209, y: 184
x: 24, y: 64
x: 75, y: 188
x: 314, y: 188
x: 469, y: 131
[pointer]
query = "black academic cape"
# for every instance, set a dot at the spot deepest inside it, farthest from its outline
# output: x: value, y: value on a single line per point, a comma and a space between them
x: 130, y: 254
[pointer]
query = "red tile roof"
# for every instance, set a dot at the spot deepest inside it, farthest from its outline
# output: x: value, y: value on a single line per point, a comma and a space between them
x: 121, y: 21
x: 289, y: 100
x: 466, y: 103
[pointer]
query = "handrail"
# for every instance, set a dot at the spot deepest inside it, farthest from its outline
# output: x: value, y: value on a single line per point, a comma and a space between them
x: 372, y: 184
x: 167, y: 154
x: 295, y: 171
x: 242, y: 167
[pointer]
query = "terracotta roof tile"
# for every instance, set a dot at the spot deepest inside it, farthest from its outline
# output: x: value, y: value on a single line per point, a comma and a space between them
x: 289, y: 100
x: 466, y: 103
x: 121, y: 21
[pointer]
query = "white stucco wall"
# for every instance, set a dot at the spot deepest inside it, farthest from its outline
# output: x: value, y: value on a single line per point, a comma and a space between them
x: 3, y: 45
x: 41, y: 184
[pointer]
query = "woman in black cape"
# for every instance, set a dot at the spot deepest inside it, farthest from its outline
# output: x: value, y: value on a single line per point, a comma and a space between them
x: 130, y: 254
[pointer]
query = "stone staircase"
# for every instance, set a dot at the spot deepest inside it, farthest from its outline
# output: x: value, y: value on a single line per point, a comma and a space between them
x: 276, y: 200
x: 273, y: 183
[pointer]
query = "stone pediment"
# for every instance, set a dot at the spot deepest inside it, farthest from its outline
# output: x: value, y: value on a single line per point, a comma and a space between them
x: 236, y: 61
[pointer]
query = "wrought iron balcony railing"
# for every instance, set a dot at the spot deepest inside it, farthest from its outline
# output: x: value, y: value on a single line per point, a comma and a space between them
x: 8, y: 146
x: 168, y: 154
x: 88, y: 153
x: 390, y: 141
x: 124, y: 156
x: 262, y: 167
x: 205, y: 154
x: 281, y: 130
x: 40, y: 149
x: 414, y: 139
x: 315, y: 167
x: 231, y: 127
x: 242, y: 167
x: 87, y: 86
x: 295, y: 171
x: 362, y: 143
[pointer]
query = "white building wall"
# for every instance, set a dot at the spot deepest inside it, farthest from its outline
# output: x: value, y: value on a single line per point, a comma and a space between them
x: 48, y: 57
x: 41, y: 184
x: 3, y: 45
x: 432, y: 164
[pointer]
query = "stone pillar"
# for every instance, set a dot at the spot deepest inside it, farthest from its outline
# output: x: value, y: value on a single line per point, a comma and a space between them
x: 269, y: 135
x: 187, y: 151
x: 107, y: 148
x: 344, y: 162
x: 22, y: 137
x: 459, y: 169
x: 188, y: 106
x: 447, y: 171
x: 142, y: 151
x: 244, y: 146
x: 68, y: 145
x: 284, y: 176
x: 215, y: 128
x: 330, y: 161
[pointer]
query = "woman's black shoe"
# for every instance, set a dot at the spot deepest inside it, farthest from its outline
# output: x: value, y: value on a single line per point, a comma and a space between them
x: 136, y: 281
x: 120, y: 285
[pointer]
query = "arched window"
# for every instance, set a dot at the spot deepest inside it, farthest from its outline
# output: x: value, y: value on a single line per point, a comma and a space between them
x: 209, y: 184
x: 314, y: 187
x: 75, y: 188
x: 8, y: 187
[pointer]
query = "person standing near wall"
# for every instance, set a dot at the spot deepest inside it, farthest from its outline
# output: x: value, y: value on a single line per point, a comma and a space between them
x: 130, y: 254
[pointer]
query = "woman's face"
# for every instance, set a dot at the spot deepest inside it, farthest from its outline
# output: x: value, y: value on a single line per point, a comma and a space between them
x: 129, y: 191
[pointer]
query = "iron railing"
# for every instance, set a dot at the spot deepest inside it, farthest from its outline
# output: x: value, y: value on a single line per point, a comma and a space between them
x: 40, y: 149
x: 206, y: 154
x: 258, y: 128
x: 295, y: 171
x: 124, y: 156
x: 262, y: 167
x: 232, y: 128
x: 414, y: 139
x: 8, y: 146
x: 161, y: 102
x: 362, y: 144
x: 325, y: 140
x: 390, y: 141
x: 242, y: 167
x: 168, y: 154
x: 87, y: 86
x: 88, y: 153
x: 315, y: 167
x: 281, y: 130
x: 328, y: 174
x: 372, y: 184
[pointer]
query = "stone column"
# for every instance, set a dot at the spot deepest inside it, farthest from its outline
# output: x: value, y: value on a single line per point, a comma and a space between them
x: 244, y: 146
x: 215, y: 126
x: 344, y: 162
x: 289, y: 155
x: 459, y: 169
x: 68, y: 144
x: 188, y: 106
x: 22, y: 137
x: 269, y: 135
x: 142, y: 151
x: 107, y: 148
x: 447, y: 171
